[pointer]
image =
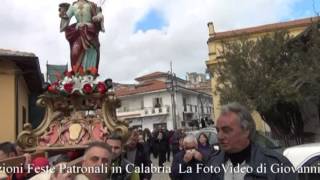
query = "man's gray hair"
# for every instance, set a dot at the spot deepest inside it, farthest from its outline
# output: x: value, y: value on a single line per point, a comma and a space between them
x: 190, y: 138
x: 244, y: 116
x: 98, y: 144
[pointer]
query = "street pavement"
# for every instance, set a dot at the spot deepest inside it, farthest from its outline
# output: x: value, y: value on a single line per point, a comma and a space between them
x: 160, y: 176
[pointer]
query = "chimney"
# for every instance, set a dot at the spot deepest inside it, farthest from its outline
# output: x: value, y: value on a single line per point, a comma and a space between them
x: 211, y: 29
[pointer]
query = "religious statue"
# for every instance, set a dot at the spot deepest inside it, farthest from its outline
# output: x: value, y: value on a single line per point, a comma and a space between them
x: 79, y: 107
x: 83, y: 36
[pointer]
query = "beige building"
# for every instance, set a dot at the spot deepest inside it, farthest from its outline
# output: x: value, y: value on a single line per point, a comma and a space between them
x: 20, y: 80
x: 215, y: 46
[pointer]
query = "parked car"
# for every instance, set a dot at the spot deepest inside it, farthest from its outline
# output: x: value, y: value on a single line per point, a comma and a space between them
x: 211, y: 132
x: 304, y: 156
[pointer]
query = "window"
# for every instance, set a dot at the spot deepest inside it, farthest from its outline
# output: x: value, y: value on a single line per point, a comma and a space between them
x: 157, y: 102
x: 125, y: 109
x: 184, y: 101
x: 136, y: 127
x: 160, y: 126
x: 142, y: 104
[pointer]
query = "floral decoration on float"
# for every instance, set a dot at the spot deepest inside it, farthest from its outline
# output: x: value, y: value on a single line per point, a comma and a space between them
x: 82, y: 82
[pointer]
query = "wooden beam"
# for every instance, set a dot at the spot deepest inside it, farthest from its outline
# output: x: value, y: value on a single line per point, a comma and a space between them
x: 75, y: 162
x: 20, y: 160
x: 57, y: 148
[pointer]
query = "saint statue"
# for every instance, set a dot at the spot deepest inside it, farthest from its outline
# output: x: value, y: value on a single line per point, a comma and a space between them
x: 83, y: 36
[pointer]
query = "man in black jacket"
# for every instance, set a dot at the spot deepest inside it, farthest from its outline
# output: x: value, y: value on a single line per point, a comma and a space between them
x: 136, y: 154
x: 122, y: 168
x: 236, y: 130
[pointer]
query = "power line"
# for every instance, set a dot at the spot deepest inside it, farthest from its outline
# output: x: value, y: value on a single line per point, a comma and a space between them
x: 314, y: 8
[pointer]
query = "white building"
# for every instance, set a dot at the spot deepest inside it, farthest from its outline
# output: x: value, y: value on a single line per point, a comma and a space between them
x: 199, y: 82
x: 150, y: 103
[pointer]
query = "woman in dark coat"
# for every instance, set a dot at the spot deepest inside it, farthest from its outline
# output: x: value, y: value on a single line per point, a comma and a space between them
x: 203, y: 145
x: 162, y: 148
x: 147, y: 139
x: 154, y: 143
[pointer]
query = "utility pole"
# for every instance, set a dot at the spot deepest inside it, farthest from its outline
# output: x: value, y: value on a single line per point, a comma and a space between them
x: 172, y: 87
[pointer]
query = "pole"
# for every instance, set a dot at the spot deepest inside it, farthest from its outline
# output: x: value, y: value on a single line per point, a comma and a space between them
x: 173, y: 100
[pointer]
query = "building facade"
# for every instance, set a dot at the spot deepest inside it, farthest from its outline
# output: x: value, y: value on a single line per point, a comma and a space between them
x: 216, y: 39
x: 21, y: 82
x: 199, y: 82
x: 152, y: 104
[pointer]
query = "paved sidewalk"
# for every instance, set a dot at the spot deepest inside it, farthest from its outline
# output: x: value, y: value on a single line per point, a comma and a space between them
x: 160, y: 176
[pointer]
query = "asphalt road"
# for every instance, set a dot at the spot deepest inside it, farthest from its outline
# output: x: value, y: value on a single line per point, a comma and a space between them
x: 160, y: 176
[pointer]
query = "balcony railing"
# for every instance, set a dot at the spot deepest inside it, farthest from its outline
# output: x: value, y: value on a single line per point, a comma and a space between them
x: 189, y: 108
x: 157, y: 110
x: 141, y: 112
x: 121, y: 110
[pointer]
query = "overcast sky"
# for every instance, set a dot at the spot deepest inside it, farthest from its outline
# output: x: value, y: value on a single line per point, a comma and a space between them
x: 142, y: 36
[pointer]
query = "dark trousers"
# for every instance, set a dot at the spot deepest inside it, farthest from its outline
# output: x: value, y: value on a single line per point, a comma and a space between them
x: 174, y: 152
x: 168, y: 154
x: 162, y: 158
x: 155, y: 154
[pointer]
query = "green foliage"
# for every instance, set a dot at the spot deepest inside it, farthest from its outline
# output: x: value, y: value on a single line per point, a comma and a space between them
x: 305, y: 63
x: 251, y: 73
x: 271, y: 73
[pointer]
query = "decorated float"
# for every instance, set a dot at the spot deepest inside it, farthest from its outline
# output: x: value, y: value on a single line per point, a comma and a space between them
x: 79, y: 106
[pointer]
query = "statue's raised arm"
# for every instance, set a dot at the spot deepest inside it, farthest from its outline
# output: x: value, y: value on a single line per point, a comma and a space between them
x: 83, y: 36
x: 63, y: 8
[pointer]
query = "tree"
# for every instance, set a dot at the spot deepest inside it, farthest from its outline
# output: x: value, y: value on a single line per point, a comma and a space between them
x: 273, y: 75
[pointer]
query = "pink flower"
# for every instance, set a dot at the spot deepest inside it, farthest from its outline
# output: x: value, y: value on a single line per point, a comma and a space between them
x: 68, y: 87
x: 101, y: 87
x: 87, y: 88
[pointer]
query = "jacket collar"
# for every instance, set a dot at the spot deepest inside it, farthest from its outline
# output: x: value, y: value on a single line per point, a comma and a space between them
x: 256, y: 159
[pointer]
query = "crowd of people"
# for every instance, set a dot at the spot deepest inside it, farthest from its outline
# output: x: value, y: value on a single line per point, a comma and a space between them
x: 239, y: 157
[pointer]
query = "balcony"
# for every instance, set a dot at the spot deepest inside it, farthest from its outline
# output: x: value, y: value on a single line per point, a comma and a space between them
x: 151, y: 111
x: 129, y: 113
x: 189, y: 108
x: 148, y: 111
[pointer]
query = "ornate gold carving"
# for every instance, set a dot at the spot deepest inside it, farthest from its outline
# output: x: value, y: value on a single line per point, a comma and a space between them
x: 109, y: 114
x: 73, y: 120
x: 25, y: 138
